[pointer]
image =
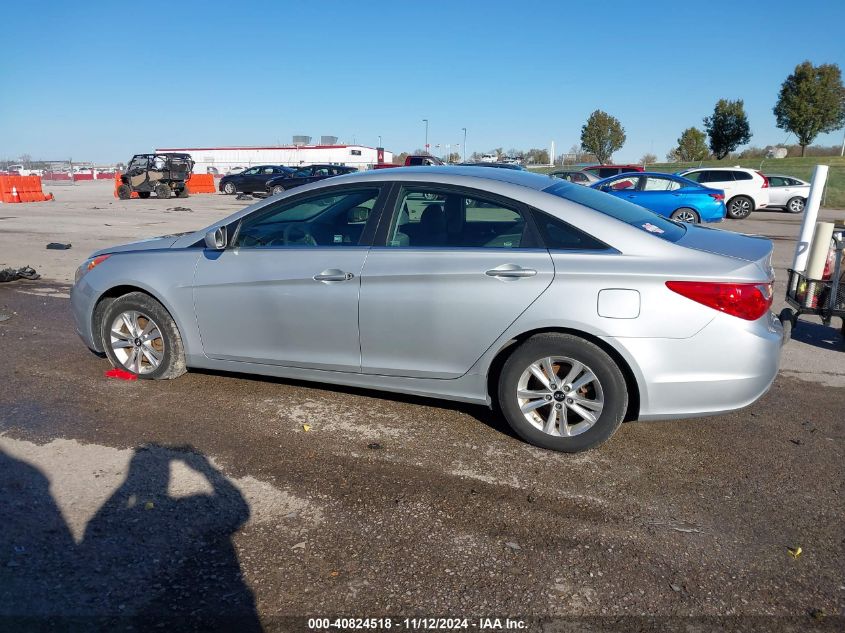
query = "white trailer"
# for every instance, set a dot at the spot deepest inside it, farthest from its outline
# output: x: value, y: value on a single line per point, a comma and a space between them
x: 221, y: 160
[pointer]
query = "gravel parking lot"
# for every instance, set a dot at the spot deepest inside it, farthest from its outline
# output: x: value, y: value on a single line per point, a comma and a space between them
x: 221, y: 495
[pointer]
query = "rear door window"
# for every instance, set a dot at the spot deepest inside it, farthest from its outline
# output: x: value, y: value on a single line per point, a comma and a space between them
x: 742, y: 175
x: 656, y: 183
x: 777, y: 181
x: 622, y: 210
x: 715, y: 176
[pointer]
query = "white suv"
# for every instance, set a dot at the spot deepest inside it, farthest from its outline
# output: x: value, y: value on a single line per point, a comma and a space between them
x: 745, y: 189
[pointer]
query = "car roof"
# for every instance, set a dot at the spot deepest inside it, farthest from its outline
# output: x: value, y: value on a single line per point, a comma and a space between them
x: 683, y: 171
x: 451, y: 174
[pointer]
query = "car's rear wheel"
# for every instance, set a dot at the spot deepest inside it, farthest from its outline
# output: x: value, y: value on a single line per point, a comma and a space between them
x: 229, y: 188
x: 124, y: 192
x: 277, y: 189
x: 796, y: 205
x: 740, y: 207
x: 561, y: 392
x: 685, y: 215
x: 141, y: 337
x: 163, y: 191
x: 143, y: 194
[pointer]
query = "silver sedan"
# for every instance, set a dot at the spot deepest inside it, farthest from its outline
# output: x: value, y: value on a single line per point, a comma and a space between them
x: 567, y: 309
x: 787, y: 192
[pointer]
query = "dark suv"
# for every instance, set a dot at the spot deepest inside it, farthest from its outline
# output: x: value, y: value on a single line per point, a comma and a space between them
x: 252, y: 179
x: 304, y: 175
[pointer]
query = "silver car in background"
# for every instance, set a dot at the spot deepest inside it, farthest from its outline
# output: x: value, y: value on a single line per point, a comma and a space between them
x: 566, y: 308
x: 787, y: 192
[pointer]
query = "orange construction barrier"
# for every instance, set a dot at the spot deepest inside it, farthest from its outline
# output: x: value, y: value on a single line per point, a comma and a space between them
x: 22, y: 189
x: 201, y: 183
x: 117, y: 183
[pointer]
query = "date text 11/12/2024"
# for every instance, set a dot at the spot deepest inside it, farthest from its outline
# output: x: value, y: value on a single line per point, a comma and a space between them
x: 415, y: 624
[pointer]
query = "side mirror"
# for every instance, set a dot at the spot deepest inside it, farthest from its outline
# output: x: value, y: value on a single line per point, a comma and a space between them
x: 216, y: 239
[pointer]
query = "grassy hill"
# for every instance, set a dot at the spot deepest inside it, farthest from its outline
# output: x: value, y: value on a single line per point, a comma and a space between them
x: 799, y: 167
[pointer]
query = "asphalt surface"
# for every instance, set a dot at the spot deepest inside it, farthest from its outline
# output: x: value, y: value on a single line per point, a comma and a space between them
x: 228, y: 502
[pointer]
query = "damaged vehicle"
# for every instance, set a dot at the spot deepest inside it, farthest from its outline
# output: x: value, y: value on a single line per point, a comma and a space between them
x: 566, y: 309
x: 162, y: 174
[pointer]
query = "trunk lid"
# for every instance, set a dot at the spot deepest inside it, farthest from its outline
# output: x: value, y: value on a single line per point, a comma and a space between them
x: 751, y: 248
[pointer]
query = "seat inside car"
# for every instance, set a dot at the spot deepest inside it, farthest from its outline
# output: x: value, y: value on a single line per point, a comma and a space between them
x: 432, y: 229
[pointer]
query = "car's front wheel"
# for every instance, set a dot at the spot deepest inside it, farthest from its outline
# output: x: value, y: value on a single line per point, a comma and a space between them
x: 141, y: 337
x: 740, y: 207
x: 561, y: 392
x: 796, y: 205
x: 124, y: 192
x: 229, y: 188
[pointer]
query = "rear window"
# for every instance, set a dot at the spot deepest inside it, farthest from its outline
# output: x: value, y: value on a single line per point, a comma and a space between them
x: 622, y: 210
x: 742, y: 175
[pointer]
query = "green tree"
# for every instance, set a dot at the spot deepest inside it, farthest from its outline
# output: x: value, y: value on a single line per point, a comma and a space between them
x: 692, y: 145
x: 811, y: 102
x: 727, y: 127
x: 648, y: 159
x: 602, y: 135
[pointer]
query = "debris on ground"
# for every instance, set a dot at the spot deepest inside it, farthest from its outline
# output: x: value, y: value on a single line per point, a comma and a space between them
x: 58, y: 246
x: 186, y: 209
x: 374, y: 446
x: 120, y: 374
x: 243, y: 196
x: 513, y: 546
x: 11, y: 274
x: 306, y: 427
x: 4, y: 317
x: 817, y: 614
x: 679, y: 526
x: 795, y: 552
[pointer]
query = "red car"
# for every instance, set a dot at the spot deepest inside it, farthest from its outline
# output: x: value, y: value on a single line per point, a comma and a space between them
x: 606, y: 171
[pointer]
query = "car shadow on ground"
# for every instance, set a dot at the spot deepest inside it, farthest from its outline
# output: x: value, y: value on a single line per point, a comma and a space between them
x: 147, y: 561
x: 818, y: 335
x: 486, y: 415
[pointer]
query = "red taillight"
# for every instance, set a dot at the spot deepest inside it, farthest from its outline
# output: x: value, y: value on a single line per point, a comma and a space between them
x: 97, y: 261
x: 765, y: 180
x: 717, y: 196
x: 746, y: 301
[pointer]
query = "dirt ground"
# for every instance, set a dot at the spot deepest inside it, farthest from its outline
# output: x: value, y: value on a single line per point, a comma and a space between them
x: 204, y: 503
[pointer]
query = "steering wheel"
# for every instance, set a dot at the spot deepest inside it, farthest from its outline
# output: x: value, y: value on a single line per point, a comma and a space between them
x: 304, y: 238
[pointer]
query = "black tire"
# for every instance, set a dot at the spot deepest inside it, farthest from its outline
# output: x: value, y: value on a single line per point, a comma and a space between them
x: 124, y: 192
x: 685, y: 214
x: 740, y: 207
x: 796, y: 205
x: 277, y: 189
x: 182, y: 193
x: 143, y: 194
x: 163, y: 191
x: 229, y: 188
x: 172, y: 361
x: 610, y: 378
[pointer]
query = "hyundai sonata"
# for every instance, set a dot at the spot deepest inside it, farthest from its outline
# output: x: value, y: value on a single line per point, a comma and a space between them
x: 567, y: 309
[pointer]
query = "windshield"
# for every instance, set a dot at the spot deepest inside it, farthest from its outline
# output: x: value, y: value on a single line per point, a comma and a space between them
x: 622, y: 210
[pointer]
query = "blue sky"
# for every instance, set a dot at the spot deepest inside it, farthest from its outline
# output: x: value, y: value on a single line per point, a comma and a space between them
x: 84, y: 80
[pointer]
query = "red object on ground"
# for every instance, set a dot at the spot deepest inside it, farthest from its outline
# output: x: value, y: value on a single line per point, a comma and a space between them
x: 120, y: 374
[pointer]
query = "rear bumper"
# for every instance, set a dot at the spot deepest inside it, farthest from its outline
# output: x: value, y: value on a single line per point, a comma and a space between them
x: 728, y: 365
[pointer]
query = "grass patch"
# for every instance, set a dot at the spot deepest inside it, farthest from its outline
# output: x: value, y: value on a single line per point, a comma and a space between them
x: 834, y: 196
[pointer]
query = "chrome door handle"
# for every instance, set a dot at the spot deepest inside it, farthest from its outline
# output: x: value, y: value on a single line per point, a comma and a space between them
x: 333, y: 275
x: 511, y: 273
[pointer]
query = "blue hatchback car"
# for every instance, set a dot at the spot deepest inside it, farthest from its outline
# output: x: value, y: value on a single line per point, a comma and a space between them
x: 667, y: 195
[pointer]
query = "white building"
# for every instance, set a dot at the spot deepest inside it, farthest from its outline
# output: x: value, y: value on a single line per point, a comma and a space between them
x: 220, y: 160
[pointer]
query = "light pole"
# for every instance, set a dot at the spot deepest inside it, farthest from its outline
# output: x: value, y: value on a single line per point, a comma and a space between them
x: 379, y: 141
x: 464, y: 157
x: 425, y: 148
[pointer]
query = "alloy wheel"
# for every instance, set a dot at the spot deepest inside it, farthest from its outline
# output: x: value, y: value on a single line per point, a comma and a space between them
x: 796, y: 205
x: 740, y: 208
x: 137, y: 342
x: 560, y: 396
x: 685, y: 216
